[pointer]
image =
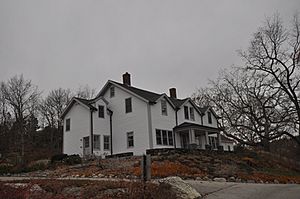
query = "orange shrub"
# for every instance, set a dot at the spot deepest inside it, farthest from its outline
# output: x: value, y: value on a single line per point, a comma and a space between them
x: 168, y: 168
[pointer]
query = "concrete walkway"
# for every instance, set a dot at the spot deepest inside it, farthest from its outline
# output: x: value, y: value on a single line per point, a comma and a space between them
x: 228, y: 190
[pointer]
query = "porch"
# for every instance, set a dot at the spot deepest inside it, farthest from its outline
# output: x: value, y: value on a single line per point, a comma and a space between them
x: 195, y: 136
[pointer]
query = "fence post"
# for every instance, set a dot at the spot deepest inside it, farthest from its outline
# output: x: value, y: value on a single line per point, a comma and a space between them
x: 146, y: 167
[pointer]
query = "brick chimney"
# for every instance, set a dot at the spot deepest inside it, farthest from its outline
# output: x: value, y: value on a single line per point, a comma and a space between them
x: 173, y: 93
x: 126, y: 79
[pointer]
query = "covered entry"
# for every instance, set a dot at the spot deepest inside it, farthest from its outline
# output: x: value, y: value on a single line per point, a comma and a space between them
x: 191, y: 135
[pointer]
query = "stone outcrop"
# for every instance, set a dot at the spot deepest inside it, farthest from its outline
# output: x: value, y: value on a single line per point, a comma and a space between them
x: 182, y: 189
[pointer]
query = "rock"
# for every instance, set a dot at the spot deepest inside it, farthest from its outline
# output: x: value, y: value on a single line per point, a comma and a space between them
x: 198, y: 178
x: 276, y: 181
x: 219, y: 179
x: 231, y: 179
x: 250, y: 181
x: 100, y: 175
x: 181, y: 189
x: 238, y: 180
x: 115, y: 191
x: 17, y: 185
x: 260, y: 181
x: 63, y: 175
x: 74, y: 191
x: 36, y: 188
x: 206, y: 178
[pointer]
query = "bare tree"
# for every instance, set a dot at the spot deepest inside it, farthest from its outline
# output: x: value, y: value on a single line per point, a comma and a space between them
x: 52, y: 107
x: 275, y: 52
x: 22, y: 96
x: 85, y: 92
x: 252, y: 112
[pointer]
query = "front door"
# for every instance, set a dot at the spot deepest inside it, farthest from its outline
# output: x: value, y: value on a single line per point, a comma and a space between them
x: 86, y: 146
x: 184, y: 138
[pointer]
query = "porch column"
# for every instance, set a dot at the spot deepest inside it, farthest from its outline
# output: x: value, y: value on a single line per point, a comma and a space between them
x: 206, y: 138
x: 192, y: 136
x: 219, y: 139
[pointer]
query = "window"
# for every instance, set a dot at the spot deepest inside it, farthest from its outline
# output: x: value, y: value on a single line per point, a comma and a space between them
x: 101, y: 111
x: 68, y: 124
x: 170, y: 137
x: 158, y: 137
x: 192, y: 114
x: 128, y: 105
x: 112, y: 92
x: 97, y: 142
x: 209, y: 117
x: 186, y: 112
x: 106, y: 142
x: 228, y: 148
x: 164, y: 137
x: 164, y: 110
x: 130, y: 140
x: 86, y: 142
x: 213, y: 142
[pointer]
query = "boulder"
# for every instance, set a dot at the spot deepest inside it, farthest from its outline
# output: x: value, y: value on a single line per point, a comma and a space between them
x: 231, y: 179
x: 219, y: 179
x: 181, y: 188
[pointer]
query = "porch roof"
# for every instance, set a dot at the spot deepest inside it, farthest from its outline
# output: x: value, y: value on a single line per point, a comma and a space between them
x: 187, y: 125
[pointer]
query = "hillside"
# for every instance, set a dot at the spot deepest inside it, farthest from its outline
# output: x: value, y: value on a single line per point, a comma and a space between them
x: 246, y: 166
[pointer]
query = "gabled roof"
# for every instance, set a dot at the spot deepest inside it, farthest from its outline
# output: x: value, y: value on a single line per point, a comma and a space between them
x: 84, y: 102
x: 177, y: 102
x: 148, y: 95
x: 203, y: 109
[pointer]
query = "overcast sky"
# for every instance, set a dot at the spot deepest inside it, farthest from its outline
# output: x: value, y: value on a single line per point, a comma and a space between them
x: 162, y: 43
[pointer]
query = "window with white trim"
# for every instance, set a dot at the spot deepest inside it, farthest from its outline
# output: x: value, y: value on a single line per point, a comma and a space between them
x: 164, y: 137
x: 106, y: 142
x: 101, y: 111
x: 164, y: 110
x: 130, y: 140
x: 96, y: 142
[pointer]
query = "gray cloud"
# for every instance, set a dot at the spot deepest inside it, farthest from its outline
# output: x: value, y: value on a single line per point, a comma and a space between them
x: 161, y: 43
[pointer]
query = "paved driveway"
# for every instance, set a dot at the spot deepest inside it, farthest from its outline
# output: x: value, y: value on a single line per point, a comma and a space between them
x: 227, y: 190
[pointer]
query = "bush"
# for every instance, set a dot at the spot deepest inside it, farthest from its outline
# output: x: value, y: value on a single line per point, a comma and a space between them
x: 5, y: 168
x: 58, y: 158
x: 72, y: 159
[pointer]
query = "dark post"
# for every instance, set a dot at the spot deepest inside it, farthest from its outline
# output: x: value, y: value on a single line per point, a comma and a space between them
x: 146, y: 167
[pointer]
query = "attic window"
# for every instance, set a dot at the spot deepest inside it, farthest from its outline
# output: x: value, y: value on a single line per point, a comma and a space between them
x: 164, y: 110
x: 209, y: 117
x: 128, y: 105
x: 101, y: 111
x: 186, y: 112
x: 112, y: 92
x: 68, y: 124
x: 192, y: 114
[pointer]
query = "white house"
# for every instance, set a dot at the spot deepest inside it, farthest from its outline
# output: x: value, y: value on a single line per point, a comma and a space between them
x: 123, y: 118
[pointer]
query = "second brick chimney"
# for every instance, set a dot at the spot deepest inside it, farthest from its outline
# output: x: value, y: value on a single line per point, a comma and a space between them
x: 173, y: 93
x: 126, y: 79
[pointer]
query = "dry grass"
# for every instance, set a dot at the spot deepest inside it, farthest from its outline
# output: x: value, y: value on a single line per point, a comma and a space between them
x: 54, y: 189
